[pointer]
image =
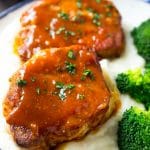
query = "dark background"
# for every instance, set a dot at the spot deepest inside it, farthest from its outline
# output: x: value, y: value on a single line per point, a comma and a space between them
x: 7, y: 3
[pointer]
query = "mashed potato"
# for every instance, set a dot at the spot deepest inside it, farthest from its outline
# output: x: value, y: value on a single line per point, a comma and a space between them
x: 105, y: 138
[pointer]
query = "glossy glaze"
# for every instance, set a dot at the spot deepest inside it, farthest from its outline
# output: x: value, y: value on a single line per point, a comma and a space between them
x: 39, y: 106
x: 59, y: 23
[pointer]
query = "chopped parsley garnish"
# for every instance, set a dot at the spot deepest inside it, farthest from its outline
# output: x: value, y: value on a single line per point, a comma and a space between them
x: 63, y: 88
x: 71, y: 68
x: 66, y: 32
x: 63, y: 15
x: 70, y: 86
x: 80, y: 96
x: 87, y: 73
x: 71, y: 54
x: 96, y: 16
x: 79, y: 3
x: 69, y: 33
x: 38, y: 91
x: 21, y: 83
x: 96, y: 19
x: 98, y: 1
x: 60, y: 30
x: 59, y: 85
x: 109, y: 6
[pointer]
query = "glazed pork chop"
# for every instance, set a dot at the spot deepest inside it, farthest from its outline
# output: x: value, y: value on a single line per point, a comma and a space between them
x: 58, y: 95
x: 61, y: 23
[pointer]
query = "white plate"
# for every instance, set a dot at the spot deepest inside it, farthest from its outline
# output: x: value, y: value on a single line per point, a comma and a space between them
x: 133, y: 13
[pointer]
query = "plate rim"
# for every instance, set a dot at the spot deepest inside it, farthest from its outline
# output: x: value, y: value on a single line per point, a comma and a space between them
x: 13, y: 8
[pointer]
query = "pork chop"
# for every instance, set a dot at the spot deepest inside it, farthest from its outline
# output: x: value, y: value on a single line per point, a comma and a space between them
x: 61, y: 23
x: 58, y: 95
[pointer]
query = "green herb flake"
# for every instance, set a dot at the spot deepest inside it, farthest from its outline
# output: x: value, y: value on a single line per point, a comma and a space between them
x: 69, y: 33
x: 38, y: 91
x: 63, y: 89
x: 71, y: 54
x: 66, y: 32
x: 96, y: 16
x: 71, y: 68
x: 98, y: 1
x: 21, y: 83
x: 63, y: 15
x: 96, y: 19
x: 70, y: 86
x: 109, y: 6
x: 88, y: 73
x: 59, y: 85
x: 79, y: 3
x: 60, y: 30
x: 97, y: 23
x: 80, y: 96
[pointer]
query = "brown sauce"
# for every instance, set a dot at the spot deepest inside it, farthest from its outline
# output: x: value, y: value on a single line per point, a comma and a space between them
x: 44, y: 105
x: 60, y: 23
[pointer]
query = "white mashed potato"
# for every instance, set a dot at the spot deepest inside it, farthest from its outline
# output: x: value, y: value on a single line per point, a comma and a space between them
x: 133, y: 13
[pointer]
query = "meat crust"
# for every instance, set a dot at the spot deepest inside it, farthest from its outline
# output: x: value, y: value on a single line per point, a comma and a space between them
x: 61, y: 23
x: 47, y: 104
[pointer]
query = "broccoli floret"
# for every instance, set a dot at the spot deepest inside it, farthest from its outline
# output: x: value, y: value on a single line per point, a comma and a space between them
x: 136, y: 83
x: 134, y: 130
x: 147, y: 65
x: 141, y: 37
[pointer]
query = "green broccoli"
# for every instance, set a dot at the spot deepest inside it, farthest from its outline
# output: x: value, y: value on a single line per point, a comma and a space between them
x: 147, y: 65
x: 136, y: 83
x: 141, y: 37
x: 134, y: 130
